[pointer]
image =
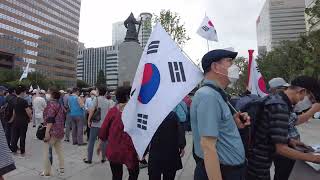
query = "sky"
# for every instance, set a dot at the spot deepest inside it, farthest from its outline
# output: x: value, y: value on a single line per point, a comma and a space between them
x: 234, y: 20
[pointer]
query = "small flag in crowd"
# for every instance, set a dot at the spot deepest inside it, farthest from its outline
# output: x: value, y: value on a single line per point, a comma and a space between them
x: 163, y: 78
x: 207, y: 30
x: 25, y: 72
x: 256, y: 84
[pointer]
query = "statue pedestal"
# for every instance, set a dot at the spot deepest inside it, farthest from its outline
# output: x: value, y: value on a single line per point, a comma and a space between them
x: 128, y: 61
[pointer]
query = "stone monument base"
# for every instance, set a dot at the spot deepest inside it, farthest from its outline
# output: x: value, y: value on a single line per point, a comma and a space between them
x: 128, y: 61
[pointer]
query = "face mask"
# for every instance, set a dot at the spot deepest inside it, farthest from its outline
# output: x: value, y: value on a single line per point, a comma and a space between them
x: 303, y: 105
x: 233, y: 73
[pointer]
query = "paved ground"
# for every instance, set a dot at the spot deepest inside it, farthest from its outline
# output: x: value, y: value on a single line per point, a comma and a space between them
x: 28, y: 168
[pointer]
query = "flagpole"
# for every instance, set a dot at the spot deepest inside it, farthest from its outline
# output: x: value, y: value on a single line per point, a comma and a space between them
x: 208, y: 45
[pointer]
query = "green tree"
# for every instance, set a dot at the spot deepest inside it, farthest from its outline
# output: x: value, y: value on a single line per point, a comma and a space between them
x: 286, y: 61
x: 101, y: 79
x: 171, y: 22
x: 7, y: 75
x: 310, y: 50
x: 82, y: 84
x: 241, y: 85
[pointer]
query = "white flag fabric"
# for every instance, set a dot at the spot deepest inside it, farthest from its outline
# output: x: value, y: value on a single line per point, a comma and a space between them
x: 256, y: 84
x: 31, y: 89
x: 207, y: 30
x: 163, y: 78
x: 25, y: 72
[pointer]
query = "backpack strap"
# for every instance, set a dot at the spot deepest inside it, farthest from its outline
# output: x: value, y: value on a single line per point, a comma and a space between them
x: 224, y: 96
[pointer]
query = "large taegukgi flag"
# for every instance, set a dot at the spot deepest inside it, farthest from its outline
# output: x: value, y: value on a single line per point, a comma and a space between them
x: 163, y: 78
x: 256, y: 83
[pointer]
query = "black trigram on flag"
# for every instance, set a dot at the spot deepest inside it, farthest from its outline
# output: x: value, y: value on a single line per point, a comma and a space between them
x: 177, y: 72
x: 153, y: 47
x: 142, y: 121
x: 205, y: 28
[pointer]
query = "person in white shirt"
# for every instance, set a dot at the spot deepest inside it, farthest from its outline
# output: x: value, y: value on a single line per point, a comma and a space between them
x: 39, y: 104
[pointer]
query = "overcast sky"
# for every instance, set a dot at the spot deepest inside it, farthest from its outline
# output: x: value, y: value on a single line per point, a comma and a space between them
x: 234, y: 21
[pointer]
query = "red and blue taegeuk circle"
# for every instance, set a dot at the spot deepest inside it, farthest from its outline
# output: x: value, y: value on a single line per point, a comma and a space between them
x: 150, y: 83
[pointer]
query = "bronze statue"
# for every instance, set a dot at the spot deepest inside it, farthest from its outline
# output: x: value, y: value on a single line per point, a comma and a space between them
x: 130, y: 24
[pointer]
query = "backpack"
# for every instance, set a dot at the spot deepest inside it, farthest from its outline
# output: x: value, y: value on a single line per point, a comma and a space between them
x: 186, y: 124
x: 251, y: 104
x: 6, y: 111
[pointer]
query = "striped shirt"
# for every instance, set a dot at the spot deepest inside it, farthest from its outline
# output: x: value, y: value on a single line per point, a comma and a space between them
x: 271, y: 129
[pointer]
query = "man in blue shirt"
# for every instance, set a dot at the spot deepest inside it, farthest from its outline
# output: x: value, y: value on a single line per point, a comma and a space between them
x: 217, y: 141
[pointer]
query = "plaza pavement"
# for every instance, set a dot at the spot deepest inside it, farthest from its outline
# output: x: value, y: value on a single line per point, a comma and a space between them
x: 28, y: 168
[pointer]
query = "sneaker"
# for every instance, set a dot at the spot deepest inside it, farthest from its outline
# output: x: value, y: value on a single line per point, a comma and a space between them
x: 45, y: 175
x: 66, y: 140
x: 103, y: 161
x: 86, y: 161
x: 83, y: 144
x: 60, y: 171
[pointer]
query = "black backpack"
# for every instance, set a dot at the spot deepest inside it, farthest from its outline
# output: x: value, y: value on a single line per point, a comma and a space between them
x: 6, y: 111
x: 253, y: 105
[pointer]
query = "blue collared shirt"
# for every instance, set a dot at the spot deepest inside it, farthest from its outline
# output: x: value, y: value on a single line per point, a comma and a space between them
x: 211, y: 117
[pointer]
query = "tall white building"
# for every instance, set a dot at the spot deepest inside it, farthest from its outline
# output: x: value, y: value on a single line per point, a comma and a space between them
x: 278, y: 21
x: 145, y: 29
x: 92, y: 60
x: 119, y: 30
x: 316, y: 21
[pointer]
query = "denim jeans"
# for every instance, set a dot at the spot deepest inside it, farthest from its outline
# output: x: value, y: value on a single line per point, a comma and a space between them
x: 68, y: 126
x: 94, y: 132
x: 77, y: 129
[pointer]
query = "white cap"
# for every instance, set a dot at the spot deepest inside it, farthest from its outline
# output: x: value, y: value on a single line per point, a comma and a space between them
x: 278, y: 82
x: 42, y: 91
x: 34, y: 91
x: 62, y: 92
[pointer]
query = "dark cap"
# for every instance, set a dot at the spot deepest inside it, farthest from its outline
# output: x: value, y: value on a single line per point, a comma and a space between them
x: 215, y: 56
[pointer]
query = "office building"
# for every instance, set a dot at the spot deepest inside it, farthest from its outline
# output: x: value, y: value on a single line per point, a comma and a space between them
x: 92, y: 60
x: 315, y: 21
x: 42, y: 32
x: 278, y: 21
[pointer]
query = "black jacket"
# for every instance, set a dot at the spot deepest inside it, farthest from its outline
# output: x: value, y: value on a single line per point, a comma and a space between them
x: 164, y: 154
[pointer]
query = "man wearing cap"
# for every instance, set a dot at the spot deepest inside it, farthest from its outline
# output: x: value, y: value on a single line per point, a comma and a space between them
x: 217, y: 141
x: 277, y: 84
x: 271, y: 130
x: 284, y: 165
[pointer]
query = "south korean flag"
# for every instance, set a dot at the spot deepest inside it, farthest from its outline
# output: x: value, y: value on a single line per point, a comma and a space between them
x: 163, y: 78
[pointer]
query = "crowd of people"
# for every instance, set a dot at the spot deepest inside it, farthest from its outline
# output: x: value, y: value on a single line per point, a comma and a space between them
x: 233, y: 138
